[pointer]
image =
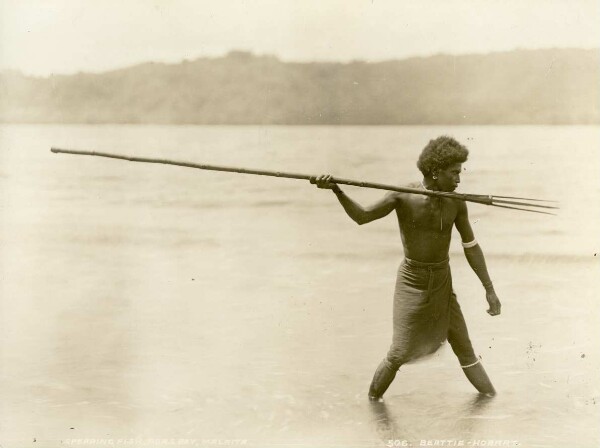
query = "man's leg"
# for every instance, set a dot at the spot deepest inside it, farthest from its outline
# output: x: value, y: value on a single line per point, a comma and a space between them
x: 478, y: 377
x: 458, y: 337
x: 384, y: 375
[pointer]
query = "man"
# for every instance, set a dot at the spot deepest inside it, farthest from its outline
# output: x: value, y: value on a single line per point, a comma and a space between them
x: 426, y: 311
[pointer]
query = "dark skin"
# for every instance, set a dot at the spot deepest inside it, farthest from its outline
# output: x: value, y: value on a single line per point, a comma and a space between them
x: 425, y: 222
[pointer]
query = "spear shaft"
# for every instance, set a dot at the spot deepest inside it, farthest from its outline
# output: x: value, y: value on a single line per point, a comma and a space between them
x: 480, y: 199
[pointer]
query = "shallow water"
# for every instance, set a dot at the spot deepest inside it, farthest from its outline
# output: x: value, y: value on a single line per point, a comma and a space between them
x: 154, y: 302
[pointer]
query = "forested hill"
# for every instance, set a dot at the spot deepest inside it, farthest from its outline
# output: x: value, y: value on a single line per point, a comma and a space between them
x: 554, y: 86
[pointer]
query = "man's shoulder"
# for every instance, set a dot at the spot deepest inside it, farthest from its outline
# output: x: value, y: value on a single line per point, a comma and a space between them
x: 401, y: 194
x: 412, y: 185
x: 401, y: 197
x: 460, y: 204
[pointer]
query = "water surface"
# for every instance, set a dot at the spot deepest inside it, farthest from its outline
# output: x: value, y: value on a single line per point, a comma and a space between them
x: 156, y: 302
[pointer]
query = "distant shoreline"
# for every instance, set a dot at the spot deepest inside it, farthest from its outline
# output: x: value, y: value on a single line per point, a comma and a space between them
x: 244, y: 53
x: 521, y: 87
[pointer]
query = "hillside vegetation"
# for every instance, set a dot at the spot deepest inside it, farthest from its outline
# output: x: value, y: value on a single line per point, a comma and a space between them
x: 555, y: 86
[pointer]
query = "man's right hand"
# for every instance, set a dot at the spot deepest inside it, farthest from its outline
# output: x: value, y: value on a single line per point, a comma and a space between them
x: 494, y: 303
x: 326, y: 181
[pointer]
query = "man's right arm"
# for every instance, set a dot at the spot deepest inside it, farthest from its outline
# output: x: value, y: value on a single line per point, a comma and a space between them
x: 359, y: 214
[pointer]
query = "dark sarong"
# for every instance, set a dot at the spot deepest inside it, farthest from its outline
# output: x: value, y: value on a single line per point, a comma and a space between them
x: 426, y: 313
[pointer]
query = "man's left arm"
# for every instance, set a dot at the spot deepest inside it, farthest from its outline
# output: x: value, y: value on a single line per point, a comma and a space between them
x: 475, y: 257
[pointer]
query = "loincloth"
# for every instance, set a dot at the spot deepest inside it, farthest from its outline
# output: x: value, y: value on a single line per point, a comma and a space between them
x: 422, y: 304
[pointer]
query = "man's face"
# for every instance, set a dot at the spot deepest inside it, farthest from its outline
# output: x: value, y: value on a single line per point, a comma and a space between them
x: 449, y: 178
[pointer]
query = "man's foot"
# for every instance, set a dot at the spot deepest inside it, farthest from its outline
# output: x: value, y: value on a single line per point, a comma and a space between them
x: 477, y: 376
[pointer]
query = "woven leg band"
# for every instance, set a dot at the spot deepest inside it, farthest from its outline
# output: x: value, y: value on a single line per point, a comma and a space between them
x: 471, y: 365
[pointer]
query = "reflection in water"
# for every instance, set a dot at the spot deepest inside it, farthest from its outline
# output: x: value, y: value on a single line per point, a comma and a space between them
x: 386, y: 426
x: 478, y: 403
x: 466, y: 420
x: 467, y: 424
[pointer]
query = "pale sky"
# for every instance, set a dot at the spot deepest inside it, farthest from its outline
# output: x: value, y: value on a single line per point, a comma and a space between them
x: 41, y: 37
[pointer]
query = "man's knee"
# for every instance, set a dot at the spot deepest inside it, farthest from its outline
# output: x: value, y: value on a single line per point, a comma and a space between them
x: 393, y: 360
x: 392, y: 364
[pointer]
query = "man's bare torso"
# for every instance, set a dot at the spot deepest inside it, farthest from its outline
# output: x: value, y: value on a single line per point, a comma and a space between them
x: 425, y: 225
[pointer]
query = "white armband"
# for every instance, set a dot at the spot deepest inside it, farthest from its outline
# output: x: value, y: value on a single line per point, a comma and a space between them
x: 469, y: 244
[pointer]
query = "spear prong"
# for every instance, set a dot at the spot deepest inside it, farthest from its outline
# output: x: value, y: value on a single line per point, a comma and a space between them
x: 524, y: 209
x: 502, y: 201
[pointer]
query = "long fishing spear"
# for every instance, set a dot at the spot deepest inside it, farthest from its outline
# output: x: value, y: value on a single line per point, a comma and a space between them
x: 524, y: 204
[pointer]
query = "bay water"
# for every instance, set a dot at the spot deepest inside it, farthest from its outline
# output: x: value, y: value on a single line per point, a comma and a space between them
x: 144, y: 302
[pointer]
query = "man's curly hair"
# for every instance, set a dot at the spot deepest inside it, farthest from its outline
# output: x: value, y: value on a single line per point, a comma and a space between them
x: 440, y: 153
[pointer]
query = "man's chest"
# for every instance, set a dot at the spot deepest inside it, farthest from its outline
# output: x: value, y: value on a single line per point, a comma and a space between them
x: 428, y: 213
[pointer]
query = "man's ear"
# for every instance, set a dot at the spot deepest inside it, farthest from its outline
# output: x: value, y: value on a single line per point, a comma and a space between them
x: 435, y: 173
